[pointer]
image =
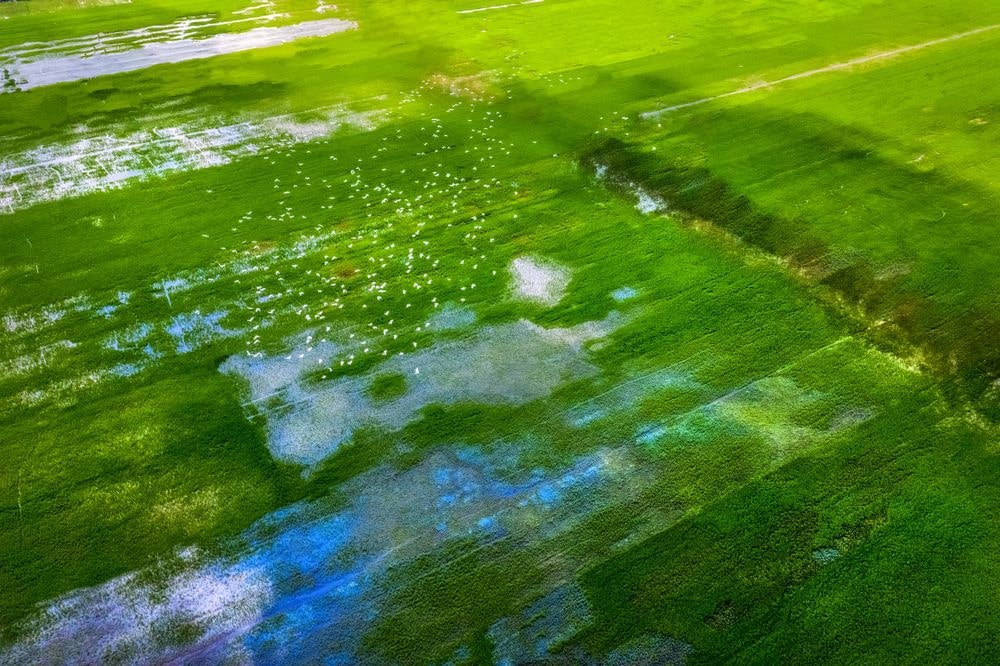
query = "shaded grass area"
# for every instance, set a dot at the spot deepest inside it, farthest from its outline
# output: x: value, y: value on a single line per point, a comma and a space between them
x: 925, y: 303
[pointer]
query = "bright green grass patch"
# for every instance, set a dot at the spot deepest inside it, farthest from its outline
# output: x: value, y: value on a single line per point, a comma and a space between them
x: 387, y: 387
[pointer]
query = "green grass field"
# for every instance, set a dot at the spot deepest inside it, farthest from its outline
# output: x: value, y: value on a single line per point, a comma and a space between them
x: 563, y: 331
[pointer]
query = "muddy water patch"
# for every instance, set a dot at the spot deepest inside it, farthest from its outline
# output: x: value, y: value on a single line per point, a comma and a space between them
x: 194, y: 329
x: 646, y: 202
x: 538, y: 280
x: 624, y: 294
x: 97, y: 160
x: 509, y: 364
x: 451, y: 317
x: 308, y: 581
x: 46, y: 71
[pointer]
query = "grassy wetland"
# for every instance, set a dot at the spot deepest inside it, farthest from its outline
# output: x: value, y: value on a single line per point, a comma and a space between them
x: 558, y: 331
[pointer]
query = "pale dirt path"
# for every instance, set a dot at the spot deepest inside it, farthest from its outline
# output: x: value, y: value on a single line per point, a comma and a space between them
x: 493, y: 7
x: 847, y: 64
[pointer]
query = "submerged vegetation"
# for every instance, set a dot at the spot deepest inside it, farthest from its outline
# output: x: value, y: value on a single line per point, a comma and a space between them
x: 560, y: 331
